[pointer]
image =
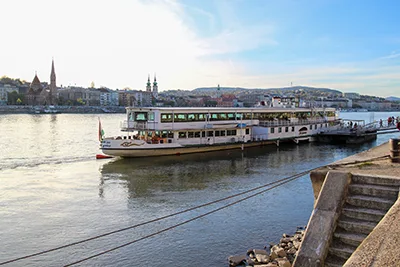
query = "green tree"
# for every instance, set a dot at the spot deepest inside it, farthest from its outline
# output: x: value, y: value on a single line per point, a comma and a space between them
x: 13, y: 98
x: 80, y: 101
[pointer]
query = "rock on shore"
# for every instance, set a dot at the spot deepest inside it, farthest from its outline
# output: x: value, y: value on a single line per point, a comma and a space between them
x: 279, y: 255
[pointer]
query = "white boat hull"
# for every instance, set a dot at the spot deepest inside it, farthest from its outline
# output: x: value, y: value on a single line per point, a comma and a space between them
x: 152, y: 150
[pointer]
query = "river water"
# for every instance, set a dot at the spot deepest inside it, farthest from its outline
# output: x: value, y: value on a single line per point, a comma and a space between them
x: 54, y: 192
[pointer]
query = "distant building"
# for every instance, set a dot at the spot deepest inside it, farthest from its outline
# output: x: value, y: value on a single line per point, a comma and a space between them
x: 5, y: 89
x: 43, y: 94
x: 373, y: 105
x: 226, y: 100
x: 74, y: 95
x: 352, y: 95
x: 285, y: 102
x: 334, y: 103
x: 108, y: 97
x: 249, y: 100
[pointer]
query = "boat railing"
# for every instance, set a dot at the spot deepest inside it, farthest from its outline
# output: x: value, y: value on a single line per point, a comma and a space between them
x: 125, y: 125
x: 276, y: 123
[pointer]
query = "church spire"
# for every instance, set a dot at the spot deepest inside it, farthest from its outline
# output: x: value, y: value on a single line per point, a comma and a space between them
x: 53, y: 72
x: 155, y: 87
x: 148, y: 85
x: 53, y: 85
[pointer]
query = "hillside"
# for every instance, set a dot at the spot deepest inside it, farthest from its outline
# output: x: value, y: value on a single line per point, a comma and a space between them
x: 278, y: 91
x: 393, y: 98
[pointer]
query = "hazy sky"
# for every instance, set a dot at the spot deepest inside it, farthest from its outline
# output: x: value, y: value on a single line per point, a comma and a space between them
x: 349, y: 45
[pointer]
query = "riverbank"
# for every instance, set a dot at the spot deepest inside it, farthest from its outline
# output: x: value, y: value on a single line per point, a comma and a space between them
x: 279, y: 255
x: 61, y: 109
x: 358, y: 206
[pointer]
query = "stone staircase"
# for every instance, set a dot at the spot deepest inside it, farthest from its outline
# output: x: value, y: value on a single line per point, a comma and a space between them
x: 368, y: 200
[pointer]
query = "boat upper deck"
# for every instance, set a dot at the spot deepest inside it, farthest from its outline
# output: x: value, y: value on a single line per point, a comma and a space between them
x: 173, y: 118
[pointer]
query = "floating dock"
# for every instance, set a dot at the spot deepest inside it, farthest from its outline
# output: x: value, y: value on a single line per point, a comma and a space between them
x: 357, y: 134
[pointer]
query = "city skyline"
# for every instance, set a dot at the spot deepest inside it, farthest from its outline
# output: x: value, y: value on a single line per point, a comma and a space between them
x: 349, y: 46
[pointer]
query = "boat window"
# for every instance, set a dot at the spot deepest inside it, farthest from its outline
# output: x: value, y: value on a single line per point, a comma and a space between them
x: 191, y: 117
x: 231, y: 116
x: 141, y: 116
x: 203, y: 134
x: 222, y: 116
x: 180, y: 117
x: 230, y: 132
x: 217, y: 133
x: 247, y: 116
x: 170, y: 134
x: 190, y: 134
x: 197, y: 134
x: 247, y: 131
x: 164, y: 134
x: 182, y: 134
x: 166, y: 117
x: 279, y: 129
x: 151, y: 116
x: 223, y: 133
x: 286, y: 129
x: 293, y: 129
x: 210, y: 133
x: 214, y: 117
x: 202, y: 117
x: 310, y: 127
x: 272, y: 130
x: 321, y: 126
x: 238, y: 116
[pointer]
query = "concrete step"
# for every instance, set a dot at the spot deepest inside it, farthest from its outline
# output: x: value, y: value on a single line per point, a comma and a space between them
x: 333, y: 261
x: 354, y: 212
x: 341, y: 250
x: 355, y: 225
x: 350, y: 238
x: 370, y: 202
x: 371, y: 179
x: 389, y: 192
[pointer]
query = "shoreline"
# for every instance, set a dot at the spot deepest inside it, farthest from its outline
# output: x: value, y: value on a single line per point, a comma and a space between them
x: 62, y: 109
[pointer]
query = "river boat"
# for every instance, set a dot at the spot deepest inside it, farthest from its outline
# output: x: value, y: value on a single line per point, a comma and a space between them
x: 159, y: 131
x: 45, y: 110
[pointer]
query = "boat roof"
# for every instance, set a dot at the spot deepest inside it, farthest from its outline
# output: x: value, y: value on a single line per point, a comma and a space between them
x: 226, y: 109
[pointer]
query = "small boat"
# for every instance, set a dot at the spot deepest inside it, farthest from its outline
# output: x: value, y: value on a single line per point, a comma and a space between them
x: 51, y: 110
x: 159, y: 131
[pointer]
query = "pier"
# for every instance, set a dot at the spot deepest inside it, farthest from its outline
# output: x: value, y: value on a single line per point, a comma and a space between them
x: 356, y: 133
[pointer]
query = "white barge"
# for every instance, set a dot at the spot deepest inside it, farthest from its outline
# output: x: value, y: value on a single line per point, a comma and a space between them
x: 158, y: 131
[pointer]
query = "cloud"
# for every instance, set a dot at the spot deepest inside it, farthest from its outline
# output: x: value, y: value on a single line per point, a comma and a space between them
x: 392, y: 55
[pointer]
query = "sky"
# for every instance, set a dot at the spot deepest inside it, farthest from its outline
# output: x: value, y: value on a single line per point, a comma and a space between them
x: 351, y: 46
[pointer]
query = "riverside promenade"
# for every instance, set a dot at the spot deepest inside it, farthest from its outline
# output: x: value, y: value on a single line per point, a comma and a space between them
x: 356, y: 217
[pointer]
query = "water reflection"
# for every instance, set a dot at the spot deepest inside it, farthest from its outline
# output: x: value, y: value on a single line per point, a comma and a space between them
x: 147, y: 176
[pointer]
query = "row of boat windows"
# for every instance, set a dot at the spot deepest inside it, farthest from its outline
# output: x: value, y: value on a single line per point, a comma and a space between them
x: 187, y: 117
x: 165, y: 117
x: 280, y: 129
x: 191, y: 134
x: 208, y: 133
x: 216, y: 133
